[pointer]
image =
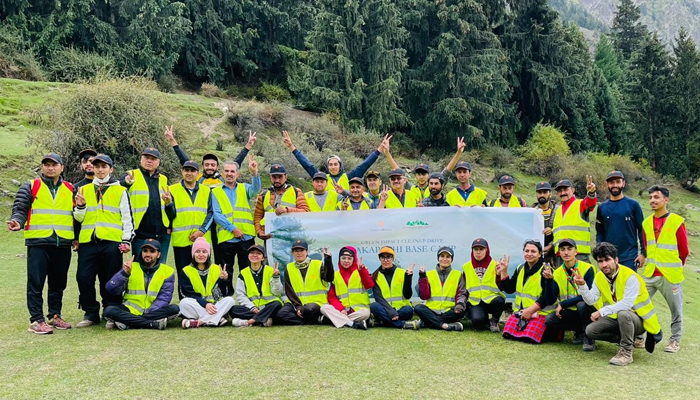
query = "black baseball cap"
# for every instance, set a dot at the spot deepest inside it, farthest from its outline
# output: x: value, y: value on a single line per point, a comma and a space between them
x: 422, y: 167
x: 567, y: 241
x: 543, y: 186
x: 210, y: 156
x: 277, y: 169
x: 257, y: 247
x: 151, y: 151
x: 446, y: 249
x: 320, y: 175
x: 53, y: 157
x: 373, y: 173
x: 480, y: 243
x: 151, y: 243
x: 300, y: 244
x: 615, y: 174
x: 357, y: 179
x: 506, y: 179
x: 397, y: 172
x: 437, y: 175
x: 563, y: 183
x: 86, y: 153
x: 463, y: 165
x: 191, y: 164
x: 103, y: 158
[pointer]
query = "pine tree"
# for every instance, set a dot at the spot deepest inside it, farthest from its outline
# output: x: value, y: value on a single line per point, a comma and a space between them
x: 607, y: 60
x: 627, y: 32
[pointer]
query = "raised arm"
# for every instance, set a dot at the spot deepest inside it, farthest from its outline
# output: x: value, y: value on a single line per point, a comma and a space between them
x: 301, y: 158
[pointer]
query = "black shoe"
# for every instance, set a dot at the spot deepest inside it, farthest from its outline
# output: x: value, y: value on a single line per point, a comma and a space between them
x: 360, y: 325
x: 578, y: 338
x: 652, y: 340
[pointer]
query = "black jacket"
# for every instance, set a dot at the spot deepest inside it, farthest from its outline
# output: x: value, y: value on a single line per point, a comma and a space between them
x: 151, y: 226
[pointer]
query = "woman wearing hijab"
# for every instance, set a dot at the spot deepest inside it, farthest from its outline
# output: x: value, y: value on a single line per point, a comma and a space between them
x: 202, y: 303
x: 348, y: 300
x: 484, y: 295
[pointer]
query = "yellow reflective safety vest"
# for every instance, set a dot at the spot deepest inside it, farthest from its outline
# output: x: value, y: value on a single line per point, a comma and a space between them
x: 192, y: 274
x: 364, y: 204
x: 289, y: 199
x: 311, y: 288
x: 514, y: 202
x: 663, y: 253
x: 50, y: 214
x: 567, y: 288
x: 476, y: 198
x: 252, y: 292
x: 420, y: 194
x: 190, y: 216
x: 139, y: 197
x: 393, y: 295
x: 138, y: 298
x: 572, y: 226
x: 239, y: 215
x: 329, y: 205
x: 353, y: 294
x: 483, y: 289
x: 527, y: 292
x: 642, y: 305
x: 103, y: 219
x: 442, y: 297
x: 343, y: 181
x: 393, y: 201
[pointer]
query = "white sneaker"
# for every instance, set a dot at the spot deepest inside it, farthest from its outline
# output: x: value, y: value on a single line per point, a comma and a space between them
x: 239, y: 322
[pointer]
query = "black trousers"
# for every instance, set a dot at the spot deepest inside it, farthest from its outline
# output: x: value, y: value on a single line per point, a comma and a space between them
x: 433, y: 320
x: 42, y: 262
x: 215, y: 244
x: 479, y: 314
x: 121, y: 313
x: 100, y: 260
x: 287, y: 315
x: 229, y: 253
x: 269, y: 311
x: 572, y: 320
x: 183, y: 258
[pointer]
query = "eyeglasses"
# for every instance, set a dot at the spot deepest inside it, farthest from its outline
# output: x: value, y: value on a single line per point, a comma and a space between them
x: 386, y: 257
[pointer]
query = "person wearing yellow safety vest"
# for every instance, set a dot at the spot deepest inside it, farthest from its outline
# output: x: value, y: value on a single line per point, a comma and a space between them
x: 666, y: 242
x: 259, y: 292
x: 445, y: 294
x: 392, y: 293
x: 281, y: 198
x: 234, y: 218
x: 466, y: 194
x: 624, y: 305
x: 373, y: 183
x: 572, y: 313
x: 348, y: 297
x: 203, y: 304
x: 44, y: 208
x: 356, y: 199
x: 436, y: 198
x: 398, y: 196
x: 321, y: 199
x: 85, y: 158
x: 334, y: 165
x: 306, y: 284
x: 571, y: 217
x: 548, y: 207
x: 194, y: 216
x: 151, y: 202
x: 506, y: 185
x: 147, y: 288
x: 484, y: 295
x: 107, y: 228
x: 527, y: 322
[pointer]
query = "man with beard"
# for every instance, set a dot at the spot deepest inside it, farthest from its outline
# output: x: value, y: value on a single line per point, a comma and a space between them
x: 398, y: 196
x: 356, y: 200
x: 506, y: 185
x: 571, y: 217
x: 466, y: 194
x: 548, y: 207
x: 374, y: 188
x: 321, y: 199
x: 619, y: 221
x: 281, y: 198
x: 436, y: 198
x: 85, y: 157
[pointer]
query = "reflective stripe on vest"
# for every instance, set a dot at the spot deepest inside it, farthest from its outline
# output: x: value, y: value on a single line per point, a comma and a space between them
x: 104, y: 219
x: 137, y: 298
x: 442, y: 297
x: 393, y: 295
x: 311, y: 288
x: 50, y: 214
x: 567, y: 289
x: 289, y: 199
x: 329, y: 205
x: 483, y: 289
x: 190, y: 216
x: 420, y: 194
x: 343, y: 181
x: 663, y: 253
x: 239, y: 215
x: 572, y: 226
x: 252, y: 289
x: 476, y: 198
x: 195, y: 279
x: 527, y: 293
x: 353, y: 294
x: 139, y: 197
x: 363, y: 204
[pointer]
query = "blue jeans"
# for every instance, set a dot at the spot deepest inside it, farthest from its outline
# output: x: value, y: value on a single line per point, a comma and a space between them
x: 164, y: 248
x: 630, y: 264
x: 380, y: 313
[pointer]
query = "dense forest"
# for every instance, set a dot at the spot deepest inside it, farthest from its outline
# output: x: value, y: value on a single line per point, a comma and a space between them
x: 489, y: 70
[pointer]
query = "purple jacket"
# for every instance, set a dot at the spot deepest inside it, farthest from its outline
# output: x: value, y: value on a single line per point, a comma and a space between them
x: 118, y: 284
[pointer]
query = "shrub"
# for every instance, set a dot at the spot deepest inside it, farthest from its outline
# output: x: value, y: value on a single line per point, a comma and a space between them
x: 17, y: 60
x: 210, y: 90
x: 242, y: 91
x: 498, y: 157
x: 272, y: 92
x: 544, y: 149
x: 71, y: 65
x: 118, y: 117
x: 167, y: 83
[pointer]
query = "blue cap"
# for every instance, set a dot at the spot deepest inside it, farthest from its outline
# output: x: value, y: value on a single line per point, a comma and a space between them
x: 151, y: 151
x: 422, y: 167
x: 463, y: 165
x: 103, y: 158
x: 397, y: 172
x: 544, y: 185
x: 446, y: 249
x: 151, y: 243
x: 53, y: 157
x: 319, y: 175
x: 277, y: 169
x: 300, y: 244
x: 191, y: 164
x: 357, y: 179
x: 614, y: 175
x: 506, y: 179
x: 563, y: 183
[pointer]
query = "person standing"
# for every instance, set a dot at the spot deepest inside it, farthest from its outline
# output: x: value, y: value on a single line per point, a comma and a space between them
x: 107, y: 229
x: 44, y: 208
x: 356, y: 200
x: 398, y: 196
x: 548, y: 207
x: 484, y: 295
x: 445, y: 294
x: 85, y: 158
x: 619, y: 221
x: 392, y: 292
x: 436, y: 198
x: 571, y: 217
x: 373, y: 181
x: 506, y: 185
x: 466, y: 194
x: 281, y: 198
x: 321, y: 199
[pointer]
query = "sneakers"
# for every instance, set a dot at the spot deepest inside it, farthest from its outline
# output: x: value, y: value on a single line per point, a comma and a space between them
x: 493, y: 326
x: 120, y: 326
x: 321, y: 318
x: 58, y: 323
x: 109, y: 324
x: 578, y: 338
x: 415, y: 325
x: 190, y: 323
x: 455, y: 326
x: 41, y: 328
x: 673, y: 346
x: 588, y: 344
x: 268, y: 323
x: 639, y: 343
x: 85, y: 323
x: 160, y: 324
x: 223, y: 321
x: 239, y: 322
x: 360, y: 325
x: 623, y: 357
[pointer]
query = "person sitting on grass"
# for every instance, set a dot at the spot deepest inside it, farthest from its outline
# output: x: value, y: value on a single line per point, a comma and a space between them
x: 445, y: 294
x: 258, y: 291
x: 203, y: 304
x: 392, y: 293
x: 147, y: 287
x: 484, y: 296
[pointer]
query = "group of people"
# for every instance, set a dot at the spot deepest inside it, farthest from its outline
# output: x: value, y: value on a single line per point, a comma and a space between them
x: 208, y: 220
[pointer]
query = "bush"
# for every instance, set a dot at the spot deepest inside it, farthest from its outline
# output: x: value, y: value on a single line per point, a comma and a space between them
x: 210, y: 90
x: 254, y: 115
x: 117, y: 117
x: 17, y: 60
x: 167, y: 83
x: 543, y: 151
x: 498, y: 157
x: 272, y: 92
x: 71, y: 65
x: 242, y: 91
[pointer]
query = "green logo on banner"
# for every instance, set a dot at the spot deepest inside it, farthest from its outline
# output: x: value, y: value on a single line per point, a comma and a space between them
x: 416, y: 223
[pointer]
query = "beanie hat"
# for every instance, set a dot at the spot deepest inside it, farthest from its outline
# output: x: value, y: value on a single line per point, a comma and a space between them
x: 201, y: 243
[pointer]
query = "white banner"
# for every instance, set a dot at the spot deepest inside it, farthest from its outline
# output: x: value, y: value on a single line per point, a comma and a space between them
x: 415, y: 234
